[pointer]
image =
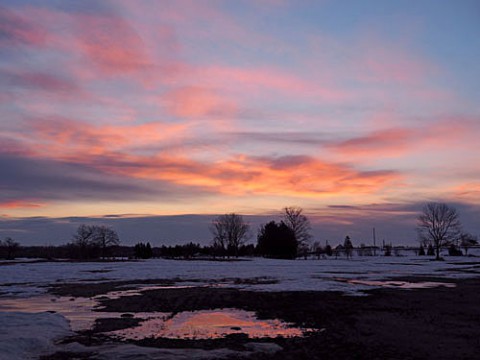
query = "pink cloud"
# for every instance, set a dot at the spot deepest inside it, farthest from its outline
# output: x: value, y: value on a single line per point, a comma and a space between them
x: 194, y: 102
x: 401, y: 141
x: 43, y: 82
x: 17, y: 29
x: 258, y: 80
x: 111, y: 43
x: 66, y: 138
x: 20, y: 204
x: 390, y: 142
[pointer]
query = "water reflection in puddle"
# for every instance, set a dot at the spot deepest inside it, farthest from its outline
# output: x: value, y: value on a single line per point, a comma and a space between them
x: 80, y: 311
x: 210, y: 324
x: 83, y: 312
x: 398, y: 284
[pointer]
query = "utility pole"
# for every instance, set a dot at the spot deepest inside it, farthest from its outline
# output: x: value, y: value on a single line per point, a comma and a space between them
x: 374, y: 244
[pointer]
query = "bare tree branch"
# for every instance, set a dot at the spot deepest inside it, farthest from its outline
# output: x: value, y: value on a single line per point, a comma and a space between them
x: 229, y: 232
x: 438, y: 224
x: 298, y: 223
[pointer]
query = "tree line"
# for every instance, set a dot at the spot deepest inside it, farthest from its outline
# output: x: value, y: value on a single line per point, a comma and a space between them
x: 438, y: 227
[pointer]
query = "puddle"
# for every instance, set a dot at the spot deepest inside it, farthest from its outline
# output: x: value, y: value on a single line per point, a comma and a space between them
x: 185, y: 325
x: 78, y: 310
x: 398, y: 284
x: 210, y: 324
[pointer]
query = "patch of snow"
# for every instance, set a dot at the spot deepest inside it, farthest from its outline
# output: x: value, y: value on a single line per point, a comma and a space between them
x: 29, y: 279
x: 269, y: 348
x: 133, y: 352
x: 27, y: 336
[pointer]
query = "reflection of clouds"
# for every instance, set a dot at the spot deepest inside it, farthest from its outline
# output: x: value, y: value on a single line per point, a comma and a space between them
x: 210, y: 324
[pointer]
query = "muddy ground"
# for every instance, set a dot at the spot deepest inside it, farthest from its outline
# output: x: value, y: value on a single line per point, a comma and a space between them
x: 439, y: 323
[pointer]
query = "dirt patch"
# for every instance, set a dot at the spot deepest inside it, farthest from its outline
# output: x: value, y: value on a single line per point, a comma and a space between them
x: 112, y: 324
x: 437, y: 323
x: 68, y: 355
x: 440, y: 323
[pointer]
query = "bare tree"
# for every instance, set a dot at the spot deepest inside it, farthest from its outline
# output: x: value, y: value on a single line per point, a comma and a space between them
x: 8, y: 248
x: 92, y: 240
x: 229, y: 232
x: 105, y: 237
x: 347, y: 244
x: 439, y: 224
x: 219, y: 232
x: 83, y: 241
x: 467, y: 240
x: 300, y: 225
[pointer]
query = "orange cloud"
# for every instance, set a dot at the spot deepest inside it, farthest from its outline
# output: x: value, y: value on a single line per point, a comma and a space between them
x: 19, y: 204
x: 469, y: 192
x: 63, y: 138
x: 244, y: 175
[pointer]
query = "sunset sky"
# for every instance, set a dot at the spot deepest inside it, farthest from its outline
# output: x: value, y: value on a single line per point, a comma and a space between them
x: 357, y: 111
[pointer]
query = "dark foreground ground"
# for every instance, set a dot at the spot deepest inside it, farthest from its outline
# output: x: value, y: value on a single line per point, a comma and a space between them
x: 440, y: 323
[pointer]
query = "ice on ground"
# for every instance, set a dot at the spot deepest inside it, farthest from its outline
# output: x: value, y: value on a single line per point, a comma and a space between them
x: 27, y: 336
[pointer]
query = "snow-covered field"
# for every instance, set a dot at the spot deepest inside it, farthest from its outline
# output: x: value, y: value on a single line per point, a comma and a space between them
x: 28, y: 279
x: 24, y: 334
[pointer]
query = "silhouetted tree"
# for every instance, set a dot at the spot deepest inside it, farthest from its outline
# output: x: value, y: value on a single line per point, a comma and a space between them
x: 439, y: 224
x: 92, y: 241
x: 467, y: 240
x: 421, y: 251
x: 142, y: 251
x: 8, y: 248
x: 105, y: 237
x: 430, y: 250
x: 338, y: 250
x: 300, y: 225
x: 229, y: 232
x: 454, y: 251
x: 277, y: 241
x: 83, y: 242
x: 388, y: 250
x: 328, y: 250
x: 247, y: 250
x: 348, y: 247
x: 317, y: 249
